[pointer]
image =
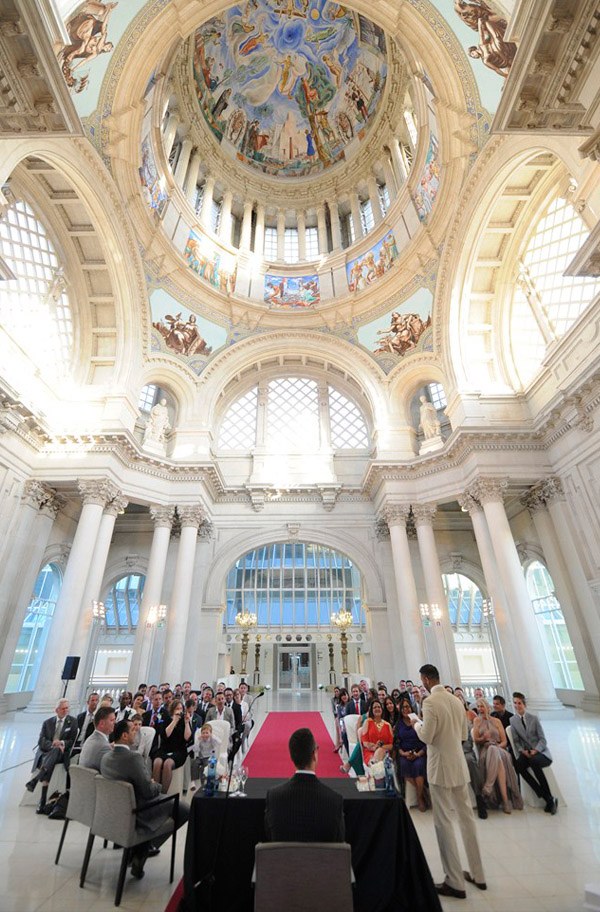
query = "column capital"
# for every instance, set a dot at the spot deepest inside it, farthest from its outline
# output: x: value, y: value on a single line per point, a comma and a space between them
x: 424, y: 514
x: 162, y: 516
x: 116, y: 506
x: 487, y: 490
x: 552, y: 489
x: 53, y: 505
x: 98, y: 491
x: 534, y: 500
x: 394, y: 514
x: 192, y: 515
x: 35, y: 494
x: 468, y: 503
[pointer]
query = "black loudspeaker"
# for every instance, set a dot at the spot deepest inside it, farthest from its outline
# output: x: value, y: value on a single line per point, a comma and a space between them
x: 69, y: 672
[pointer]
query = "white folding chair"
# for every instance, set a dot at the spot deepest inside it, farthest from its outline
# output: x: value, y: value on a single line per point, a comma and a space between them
x: 529, y: 796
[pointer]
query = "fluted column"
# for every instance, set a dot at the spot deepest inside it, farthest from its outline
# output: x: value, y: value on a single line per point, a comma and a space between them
x: 334, y: 218
x: 183, y: 161
x: 390, y: 177
x: 259, y: 231
x: 246, y: 233
x: 170, y: 132
x: 572, y: 575
x: 535, y: 674
x: 44, y: 516
x: 399, y: 165
x: 179, y: 609
x: 207, y: 200
x: 280, y: 235
x: 322, y: 230
x: 225, y: 223
x: 373, y: 186
x: 95, y: 495
x: 424, y: 515
x: 356, y: 219
x: 191, y: 179
x: 153, y: 586
x: 301, y: 223
x: 80, y: 644
x: 511, y: 657
x: 395, y: 516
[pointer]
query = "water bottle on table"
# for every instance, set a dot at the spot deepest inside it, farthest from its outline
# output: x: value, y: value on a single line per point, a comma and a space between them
x: 211, y: 777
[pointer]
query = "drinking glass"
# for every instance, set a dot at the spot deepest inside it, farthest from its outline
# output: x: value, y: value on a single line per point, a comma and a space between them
x: 243, y: 774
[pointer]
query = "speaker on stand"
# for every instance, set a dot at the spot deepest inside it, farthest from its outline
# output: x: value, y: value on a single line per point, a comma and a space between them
x: 69, y: 672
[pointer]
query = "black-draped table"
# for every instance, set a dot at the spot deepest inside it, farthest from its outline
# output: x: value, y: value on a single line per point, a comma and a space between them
x: 392, y: 874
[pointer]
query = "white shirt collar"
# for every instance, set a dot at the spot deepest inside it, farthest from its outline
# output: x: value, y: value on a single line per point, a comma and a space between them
x: 123, y: 747
x: 305, y: 773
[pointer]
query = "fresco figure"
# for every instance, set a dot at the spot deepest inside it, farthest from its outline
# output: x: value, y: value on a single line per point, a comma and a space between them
x: 496, y: 53
x: 403, y: 335
x: 87, y: 31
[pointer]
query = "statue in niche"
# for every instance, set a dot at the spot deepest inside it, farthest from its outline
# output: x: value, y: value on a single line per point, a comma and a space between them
x: 430, y: 424
x: 158, y: 423
x: 496, y: 53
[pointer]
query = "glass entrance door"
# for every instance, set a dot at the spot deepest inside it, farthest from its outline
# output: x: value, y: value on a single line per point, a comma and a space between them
x: 294, y: 668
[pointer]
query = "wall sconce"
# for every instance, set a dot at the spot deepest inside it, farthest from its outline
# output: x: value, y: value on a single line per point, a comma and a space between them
x: 98, y: 611
x: 157, y: 615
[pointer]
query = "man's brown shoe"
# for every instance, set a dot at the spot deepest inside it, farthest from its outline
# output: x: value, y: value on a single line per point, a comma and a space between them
x: 444, y: 889
x: 469, y: 877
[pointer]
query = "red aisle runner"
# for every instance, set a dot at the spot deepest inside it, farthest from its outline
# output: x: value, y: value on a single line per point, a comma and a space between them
x: 268, y: 758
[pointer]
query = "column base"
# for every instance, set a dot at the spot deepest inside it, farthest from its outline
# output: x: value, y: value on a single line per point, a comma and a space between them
x: 590, y: 703
x: 550, y: 707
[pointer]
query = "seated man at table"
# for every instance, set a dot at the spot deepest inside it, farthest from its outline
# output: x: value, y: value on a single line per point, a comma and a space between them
x: 303, y: 809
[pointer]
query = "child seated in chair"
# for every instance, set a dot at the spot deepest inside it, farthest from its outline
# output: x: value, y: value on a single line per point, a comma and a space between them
x: 204, y: 745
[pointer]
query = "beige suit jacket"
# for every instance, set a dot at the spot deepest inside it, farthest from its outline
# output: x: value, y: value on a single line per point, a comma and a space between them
x: 443, y: 729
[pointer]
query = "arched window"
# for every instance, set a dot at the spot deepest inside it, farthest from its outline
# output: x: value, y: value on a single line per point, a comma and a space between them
x: 547, y: 302
x: 294, y: 585
x: 477, y: 649
x: 551, y: 623
x: 34, y: 633
x: 34, y: 305
x: 122, y: 603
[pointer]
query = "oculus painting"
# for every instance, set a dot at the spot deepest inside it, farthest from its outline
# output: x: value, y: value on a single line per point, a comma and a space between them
x: 289, y: 84
x: 292, y: 292
x: 365, y: 270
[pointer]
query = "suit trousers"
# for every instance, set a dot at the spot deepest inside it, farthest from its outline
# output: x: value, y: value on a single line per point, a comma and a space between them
x: 537, y: 781
x: 49, y: 760
x: 444, y: 801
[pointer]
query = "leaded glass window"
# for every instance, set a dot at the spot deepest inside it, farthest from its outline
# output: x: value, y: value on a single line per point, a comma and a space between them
x: 552, y: 627
x: 122, y: 603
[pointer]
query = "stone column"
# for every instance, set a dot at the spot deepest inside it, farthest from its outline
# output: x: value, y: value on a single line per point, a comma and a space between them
x: 373, y: 186
x: 424, y: 515
x: 395, y: 516
x: 193, y: 638
x: 334, y: 218
x: 153, y: 586
x: 191, y: 180
x: 80, y: 644
x: 246, y: 233
x: 535, y: 679
x: 322, y: 230
x: 511, y: 657
x: 390, y: 177
x: 572, y: 575
x: 95, y: 494
x: 225, y: 224
x: 398, y: 160
x: 259, y: 230
x: 183, y: 162
x: 280, y: 235
x: 207, y: 199
x: 301, y: 222
x: 356, y: 219
x: 179, y: 609
x: 170, y: 132
x: 29, y: 570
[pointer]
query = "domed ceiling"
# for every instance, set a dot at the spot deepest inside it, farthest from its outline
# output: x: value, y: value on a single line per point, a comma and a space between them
x: 289, y: 87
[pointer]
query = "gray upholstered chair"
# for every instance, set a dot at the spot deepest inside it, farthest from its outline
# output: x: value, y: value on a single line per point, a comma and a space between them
x: 115, y: 818
x: 82, y: 801
x: 297, y: 876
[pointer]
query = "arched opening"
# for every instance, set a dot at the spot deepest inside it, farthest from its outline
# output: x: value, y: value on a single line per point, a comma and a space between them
x: 112, y: 641
x: 553, y: 629
x: 34, y: 633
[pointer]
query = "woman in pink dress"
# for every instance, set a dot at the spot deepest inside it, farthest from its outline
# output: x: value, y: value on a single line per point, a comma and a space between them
x: 495, y: 761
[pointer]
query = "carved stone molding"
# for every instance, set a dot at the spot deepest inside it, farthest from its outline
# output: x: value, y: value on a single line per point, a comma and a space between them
x: 132, y: 561
x: 488, y: 490
x: 424, y: 514
x: 382, y: 531
x: 395, y: 514
x: 162, y: 516
x: 10, y: 419
x: 36, y: 494
x: 116, y: 506
x: 206, y: 531
x: 552, y: 489
x: 469, y: 504
x: 534, y: 500
x: 293, y: 530
x: 99, y: 491
x: 191, y: 516
x: 329, y: 495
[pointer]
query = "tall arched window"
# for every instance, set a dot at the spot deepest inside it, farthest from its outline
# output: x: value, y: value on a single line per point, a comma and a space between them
x: 34, y: 305
x: 477, y: 648
x: 551, y: 623
x: 122, y: 603
x: 34, y: 633
x: 547, y: 302
x: 294, y: 585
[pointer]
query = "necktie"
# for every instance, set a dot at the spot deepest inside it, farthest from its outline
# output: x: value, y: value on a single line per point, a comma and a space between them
x: 58, y: 730
x: 153, y: 719
x: 356, y: 703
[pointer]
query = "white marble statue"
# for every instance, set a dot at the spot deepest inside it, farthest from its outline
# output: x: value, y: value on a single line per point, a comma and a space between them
x: 158, y: 423
x: 429, y: 419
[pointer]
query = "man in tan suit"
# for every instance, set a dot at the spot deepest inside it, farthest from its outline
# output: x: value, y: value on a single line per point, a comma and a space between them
x: 443, y: 729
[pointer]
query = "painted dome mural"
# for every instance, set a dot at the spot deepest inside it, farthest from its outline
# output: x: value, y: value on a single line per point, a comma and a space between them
x: 289, y: 86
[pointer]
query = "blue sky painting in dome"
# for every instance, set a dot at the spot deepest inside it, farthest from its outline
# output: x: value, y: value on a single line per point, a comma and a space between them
x: 289, y: 85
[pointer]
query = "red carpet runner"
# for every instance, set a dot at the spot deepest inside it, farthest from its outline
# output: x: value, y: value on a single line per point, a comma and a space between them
x: 268, y: 758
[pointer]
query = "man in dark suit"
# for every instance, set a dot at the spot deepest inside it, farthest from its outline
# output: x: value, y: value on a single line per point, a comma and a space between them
x: 303, y: 809
x: 532, y: 752
x: 236, y: 708
x: 55, y: 744
x: 128, y: 766
x: 357, y: 704
x: 85, y: 719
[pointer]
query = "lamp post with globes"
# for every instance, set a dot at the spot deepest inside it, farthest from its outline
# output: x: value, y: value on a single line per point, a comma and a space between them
x: 246, y: 620
x: 343, y: 621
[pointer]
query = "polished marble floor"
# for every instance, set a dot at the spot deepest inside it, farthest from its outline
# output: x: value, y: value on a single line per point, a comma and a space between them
x: 533, y: 862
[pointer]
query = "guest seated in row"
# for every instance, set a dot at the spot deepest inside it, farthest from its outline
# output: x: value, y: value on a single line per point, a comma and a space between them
x: 175, y: 733
x: 411, y: 754
x: 98, y: 742
x: 85, y: 719
x: 220, y: 711
x: 55, y: 744
x: 204, y: 745
x: 391, y: 712
x: 125, y: 710
x: 375, y: 735
x: 495, y: 761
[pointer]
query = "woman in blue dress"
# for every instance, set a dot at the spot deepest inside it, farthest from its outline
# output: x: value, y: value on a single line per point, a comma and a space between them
x: 411, y: 754
x: 310, y: 146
